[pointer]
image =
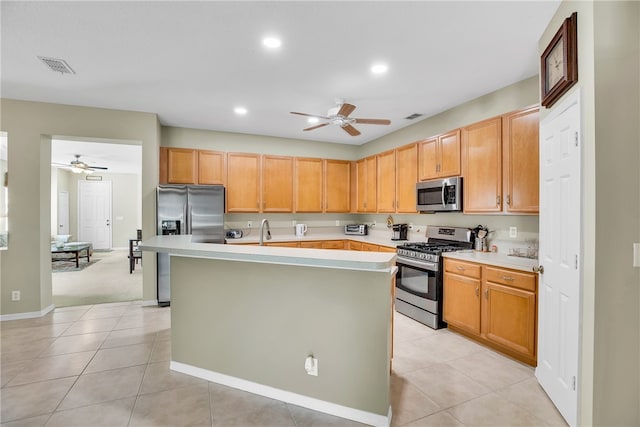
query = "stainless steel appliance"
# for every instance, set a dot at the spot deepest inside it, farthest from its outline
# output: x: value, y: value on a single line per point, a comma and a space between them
x: 439, y: 195
x: 419, y: 282
x: 187, y: 209
x: 356, y: 229
x: 399, y: 231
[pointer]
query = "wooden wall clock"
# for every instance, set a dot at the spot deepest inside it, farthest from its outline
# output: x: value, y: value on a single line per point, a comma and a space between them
x: 559, y: 62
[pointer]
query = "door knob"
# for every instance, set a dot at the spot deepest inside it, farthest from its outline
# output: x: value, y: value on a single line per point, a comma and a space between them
x: 538, y: 269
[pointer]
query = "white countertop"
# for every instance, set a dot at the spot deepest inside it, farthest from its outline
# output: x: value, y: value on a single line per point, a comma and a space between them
x: 340, y: 259
x: 495, y: 259
x: 275, y: 238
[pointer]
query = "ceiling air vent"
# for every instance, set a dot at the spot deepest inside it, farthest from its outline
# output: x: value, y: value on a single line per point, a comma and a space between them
x: 57, y: 65
x: 413, y: 116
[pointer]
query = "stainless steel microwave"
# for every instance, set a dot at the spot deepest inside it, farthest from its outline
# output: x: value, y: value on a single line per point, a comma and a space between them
x: 439, y: 195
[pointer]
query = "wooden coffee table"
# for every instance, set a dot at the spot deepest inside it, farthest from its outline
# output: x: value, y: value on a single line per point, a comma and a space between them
x: 72, y: 248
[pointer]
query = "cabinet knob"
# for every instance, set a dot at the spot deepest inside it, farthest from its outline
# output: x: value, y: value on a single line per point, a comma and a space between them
x: 508, y: 278
x: 477, y: 291
x: 486, y: 294
x: 460, y: 268
x: 538, y: 269
x: 497, y: 200
x: 508, y: 200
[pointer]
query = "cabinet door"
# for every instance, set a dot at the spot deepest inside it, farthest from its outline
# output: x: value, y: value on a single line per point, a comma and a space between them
x: 308, y: 184
x: 277, y: 184
x: 449, y: 154
x: 428, y: 159
x: 164, y: 165
x: 521, y: 161
x: 182, y: 166
x: 462, y: 302
x: 509, y: 318
x: 386, y: 181
x: 243, y: 182
x: 386, y: 249
x: 406, y: 178
x: 284, y: 244
x: 337, y: 186
x: 482, y: 158
x: 371, y: 183
x: 361, y: 185
x: 211, y: 167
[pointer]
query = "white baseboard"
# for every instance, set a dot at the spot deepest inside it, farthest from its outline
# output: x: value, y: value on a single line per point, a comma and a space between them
x: 30, y: 315
x: 285, y: 396
x: 149, y: 302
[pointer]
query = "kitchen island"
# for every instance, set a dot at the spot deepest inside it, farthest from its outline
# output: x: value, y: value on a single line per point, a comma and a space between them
x: 249, y: 316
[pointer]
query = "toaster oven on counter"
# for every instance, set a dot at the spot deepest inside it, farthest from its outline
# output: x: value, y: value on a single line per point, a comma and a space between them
x: 357, y: 229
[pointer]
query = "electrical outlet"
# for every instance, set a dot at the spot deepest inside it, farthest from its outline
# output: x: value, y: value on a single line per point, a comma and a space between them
x: 311, y: 366
x: 249, y: 224
x: 293, y: 223
x: 15, y: 295
x: 374, y: 224
x: 337, y: 223
x: 513, y: 232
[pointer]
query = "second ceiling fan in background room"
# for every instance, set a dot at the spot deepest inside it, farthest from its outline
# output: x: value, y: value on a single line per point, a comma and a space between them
x: 78, y: 166
x: 339, y: 115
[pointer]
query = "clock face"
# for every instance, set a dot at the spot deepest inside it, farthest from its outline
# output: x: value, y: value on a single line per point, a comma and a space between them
x: 555, y: 65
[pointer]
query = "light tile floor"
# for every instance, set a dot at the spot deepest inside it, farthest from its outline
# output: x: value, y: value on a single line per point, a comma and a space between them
x: 108, y: 365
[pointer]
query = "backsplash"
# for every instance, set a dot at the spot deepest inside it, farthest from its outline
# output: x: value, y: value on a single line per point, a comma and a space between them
x: 498, y: 225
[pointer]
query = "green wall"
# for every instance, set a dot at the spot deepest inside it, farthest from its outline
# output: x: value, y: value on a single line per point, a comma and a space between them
x: 26, y: 265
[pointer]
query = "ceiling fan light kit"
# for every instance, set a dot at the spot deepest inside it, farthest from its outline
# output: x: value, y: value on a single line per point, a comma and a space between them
x: 339, y: 116
x: 78, y: 166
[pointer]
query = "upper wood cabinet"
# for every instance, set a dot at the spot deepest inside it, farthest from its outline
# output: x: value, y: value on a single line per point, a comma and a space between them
x: 182, y: 166
x: 386, y: 181
x: 482, y: 166
x: 440, y: 156
x: 308, y: 185
x: 190, y: 166
x: 212, y: 167
x: 521, y: 166
x: 406, y: 178
x: 277, y: 184
x: 243, y: 182
x: 366, y: 180
x: 337, y: 186
x: 500, y: 164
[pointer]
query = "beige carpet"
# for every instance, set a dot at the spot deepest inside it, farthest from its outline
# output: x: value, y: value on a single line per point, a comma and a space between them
x: 105, y: 281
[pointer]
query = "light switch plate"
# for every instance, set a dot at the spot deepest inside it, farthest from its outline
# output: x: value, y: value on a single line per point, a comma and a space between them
x: 513, y: 232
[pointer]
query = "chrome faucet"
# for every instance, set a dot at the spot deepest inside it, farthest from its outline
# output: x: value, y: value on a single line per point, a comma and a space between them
x: 262, y: 224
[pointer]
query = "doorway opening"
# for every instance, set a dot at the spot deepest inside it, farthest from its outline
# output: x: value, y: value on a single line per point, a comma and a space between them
x: 96, y: 207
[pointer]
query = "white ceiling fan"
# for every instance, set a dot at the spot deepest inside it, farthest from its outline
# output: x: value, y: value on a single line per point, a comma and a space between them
x: 339, y: 115
x: 78, y: 166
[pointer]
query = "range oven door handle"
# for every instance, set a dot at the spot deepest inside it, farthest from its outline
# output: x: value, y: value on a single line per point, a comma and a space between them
x: 424, y: 265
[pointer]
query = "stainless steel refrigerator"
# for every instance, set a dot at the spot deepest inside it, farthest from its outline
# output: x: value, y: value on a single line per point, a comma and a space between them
x: 187, y: 209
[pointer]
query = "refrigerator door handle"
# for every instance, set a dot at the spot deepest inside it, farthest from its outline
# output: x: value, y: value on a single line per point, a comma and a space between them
x: 187, y: 222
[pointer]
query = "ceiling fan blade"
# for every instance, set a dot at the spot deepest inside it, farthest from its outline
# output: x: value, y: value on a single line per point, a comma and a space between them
x: 97, y: 167
x: 316, y: 126
x: 346, y: 109
x: 373, y: 121
x: 351, y: 130
x: 309, y: 115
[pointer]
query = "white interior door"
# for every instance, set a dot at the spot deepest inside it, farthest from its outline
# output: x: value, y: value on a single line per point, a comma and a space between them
x: 94, y: 213
x: 63, y: 212
x: 560, y: 255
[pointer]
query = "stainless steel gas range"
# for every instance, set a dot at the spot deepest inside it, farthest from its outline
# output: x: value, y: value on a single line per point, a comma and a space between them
x: 419, y: 283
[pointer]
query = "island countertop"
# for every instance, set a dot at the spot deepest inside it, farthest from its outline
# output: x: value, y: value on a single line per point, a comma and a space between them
x: 339, y: 259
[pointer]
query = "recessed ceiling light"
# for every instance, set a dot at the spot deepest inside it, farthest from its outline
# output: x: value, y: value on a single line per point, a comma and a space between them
x: 271, y: 42
x: 313, y: 120
x: 241, y: 111
x: 379, y: 68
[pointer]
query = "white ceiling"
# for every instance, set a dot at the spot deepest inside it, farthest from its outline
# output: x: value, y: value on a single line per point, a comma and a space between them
x: 193, y: 62
x: 118, y: 158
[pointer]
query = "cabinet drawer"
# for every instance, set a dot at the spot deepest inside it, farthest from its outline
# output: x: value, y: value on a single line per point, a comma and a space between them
x: 333, y: 244
x: 313, y: 245
x: 512, y: 278
x: 462, y: 268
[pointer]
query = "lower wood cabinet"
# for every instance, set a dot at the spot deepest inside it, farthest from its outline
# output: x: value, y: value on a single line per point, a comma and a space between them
x: 496, y: 306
